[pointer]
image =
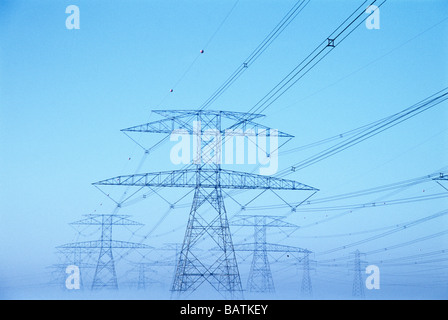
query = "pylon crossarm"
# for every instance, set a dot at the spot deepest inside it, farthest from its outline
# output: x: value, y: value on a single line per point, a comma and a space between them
x: 97, y: 219
x: 257, y: 128
x: 183, y: 120
x: 154, y: 264
x: 205, y: 178
x: 225, y: 114
x: 162, y: 126
x: 111, y: 244
x: 168, y: 126
x: 271, y: 221
x: 80, y: 265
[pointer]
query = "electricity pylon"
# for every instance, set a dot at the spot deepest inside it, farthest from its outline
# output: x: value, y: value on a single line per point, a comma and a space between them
x: 176, y: 247
x: 207, y: 223
x: 143, y: 280
x: 260, y: 275
x: 58, y: 275
x: 105, y: 273
x: 144, y: 266
x: 74, y: 256
x: 358, y: 282
x: 306, y: 289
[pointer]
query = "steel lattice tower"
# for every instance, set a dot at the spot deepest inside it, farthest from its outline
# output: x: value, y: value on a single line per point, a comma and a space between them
x: 142, y: 269
x: 306, y: 289
x: 207, y: 222
x: 260, y: 276
x: 358, y: 282
x: 105, y: 273
x: 141, y: 285
x: 74, y: 256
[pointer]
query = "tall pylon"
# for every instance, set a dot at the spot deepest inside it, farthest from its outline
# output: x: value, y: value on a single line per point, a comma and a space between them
x: 260, y: 275
x: 105, y: 276
x: 358, y: 282
x: 207, y: 222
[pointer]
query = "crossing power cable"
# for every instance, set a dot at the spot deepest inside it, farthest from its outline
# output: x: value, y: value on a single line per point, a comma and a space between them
x: 402, y: 227
x: 371, y: 131
x: 347, y: 27
x: 267, y: 41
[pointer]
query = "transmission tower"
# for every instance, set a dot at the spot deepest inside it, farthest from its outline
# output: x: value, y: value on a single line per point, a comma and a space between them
x: 306, y: 289
x: 141, y: 277
x: 105, y: 273
x: 358, y: 282
x: 76, y: 257
x: 260, y: 275
x: 144, y: 267
x: 207, y: 223
x: 176, y: 247
x: 143, y: 280
x: 58, y: 276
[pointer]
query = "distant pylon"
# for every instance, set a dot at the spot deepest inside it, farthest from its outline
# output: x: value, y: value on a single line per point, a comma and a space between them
x: 146, y: 275
x: 76, y: 257
x: 58, y: 275
x: 260, y: 275
x: 358, y: 283
x: 141, y: 285
x: 105, y: 275
x: 176, y: 247
x: 143, y: 279
x: 307, y: 289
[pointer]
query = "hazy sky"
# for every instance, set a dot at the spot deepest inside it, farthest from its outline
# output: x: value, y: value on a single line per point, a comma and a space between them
x: 65, y: 95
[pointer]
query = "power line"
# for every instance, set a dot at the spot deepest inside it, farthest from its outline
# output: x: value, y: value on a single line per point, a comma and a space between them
x: 200, y: 52
x: 267, y: 41
x: 350, y: 24
x: 400, y: 228
x: 376, y: 128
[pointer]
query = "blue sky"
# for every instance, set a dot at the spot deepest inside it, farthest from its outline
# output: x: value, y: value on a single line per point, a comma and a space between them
x: 65, y: 95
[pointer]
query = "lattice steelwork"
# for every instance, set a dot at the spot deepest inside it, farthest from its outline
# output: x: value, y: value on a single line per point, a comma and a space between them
x: 358, y: 282
x: 207, y: 223
x: 260, y: 276
x: 105, y: 273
